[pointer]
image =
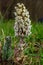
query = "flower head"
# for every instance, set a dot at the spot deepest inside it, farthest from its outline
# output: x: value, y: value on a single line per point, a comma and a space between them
x: 22, y: 21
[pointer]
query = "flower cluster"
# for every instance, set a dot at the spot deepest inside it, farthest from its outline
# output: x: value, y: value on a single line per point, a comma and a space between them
x: 22, y: 22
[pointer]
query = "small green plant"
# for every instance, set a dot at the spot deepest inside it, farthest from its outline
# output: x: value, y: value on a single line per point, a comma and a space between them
x: 7, y: 51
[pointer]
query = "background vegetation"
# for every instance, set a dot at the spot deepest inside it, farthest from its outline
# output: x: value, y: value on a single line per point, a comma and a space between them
x: 35, y: 40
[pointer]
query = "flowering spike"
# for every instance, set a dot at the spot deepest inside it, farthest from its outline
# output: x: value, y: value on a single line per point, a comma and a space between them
x: 22, y: 21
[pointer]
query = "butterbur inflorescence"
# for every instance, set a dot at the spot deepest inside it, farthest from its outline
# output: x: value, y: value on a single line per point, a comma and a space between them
x: 22, y: 22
